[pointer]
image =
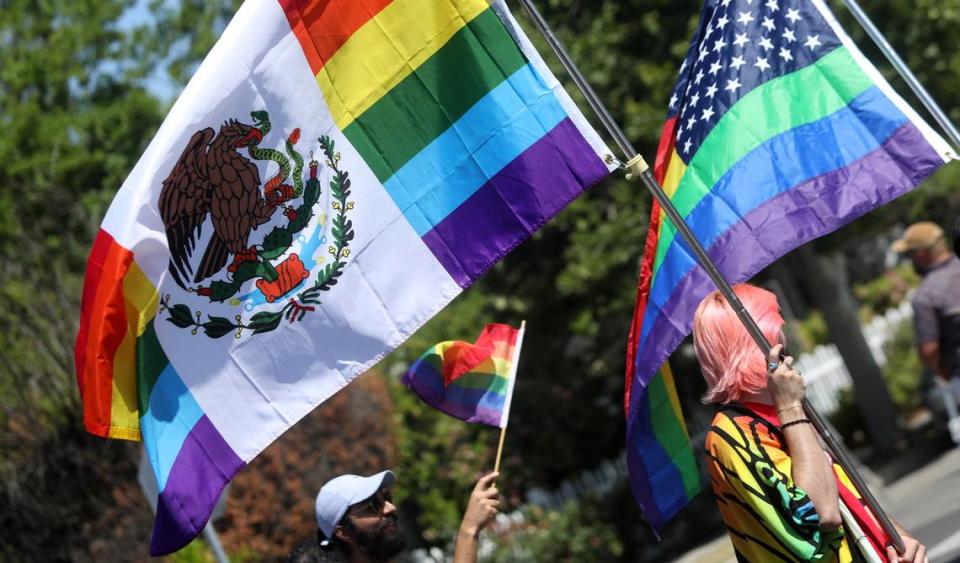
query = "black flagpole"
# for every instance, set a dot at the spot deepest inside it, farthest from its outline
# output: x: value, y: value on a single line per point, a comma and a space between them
x: 637, y: 166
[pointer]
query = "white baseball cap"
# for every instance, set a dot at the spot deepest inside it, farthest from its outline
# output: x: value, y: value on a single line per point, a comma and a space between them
x: 340, y: 493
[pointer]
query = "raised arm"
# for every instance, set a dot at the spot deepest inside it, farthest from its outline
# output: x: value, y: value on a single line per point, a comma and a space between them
x: 811, y: 469
x: 481, y: 509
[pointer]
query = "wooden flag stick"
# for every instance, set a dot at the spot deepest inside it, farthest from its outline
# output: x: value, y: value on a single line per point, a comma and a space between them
x: 503, y: 434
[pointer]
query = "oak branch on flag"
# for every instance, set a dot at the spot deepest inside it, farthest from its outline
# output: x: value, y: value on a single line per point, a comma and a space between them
x: 332, y: 176
x: 472, y: 382
x: 778, y: 131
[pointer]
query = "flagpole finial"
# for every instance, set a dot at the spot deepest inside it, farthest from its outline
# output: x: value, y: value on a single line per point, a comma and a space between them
x: 636, y: 166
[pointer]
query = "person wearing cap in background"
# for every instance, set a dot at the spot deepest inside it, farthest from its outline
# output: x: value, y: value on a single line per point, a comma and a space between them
x: 357, y: 520
x: 936, y: 303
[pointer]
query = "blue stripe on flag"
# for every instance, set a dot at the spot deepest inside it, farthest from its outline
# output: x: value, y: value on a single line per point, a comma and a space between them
x: 666, y: 484
x: 775, y: 167
x: 171, y: 415
x: 496, y: 130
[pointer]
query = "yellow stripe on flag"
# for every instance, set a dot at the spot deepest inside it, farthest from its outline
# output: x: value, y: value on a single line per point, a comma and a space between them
x: 387, y: 49
x: 671, y: 181
x: 141, y: 300
x: 671, y: 388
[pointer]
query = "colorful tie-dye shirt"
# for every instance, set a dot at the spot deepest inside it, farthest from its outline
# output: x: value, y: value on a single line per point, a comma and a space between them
x: 768, y: 517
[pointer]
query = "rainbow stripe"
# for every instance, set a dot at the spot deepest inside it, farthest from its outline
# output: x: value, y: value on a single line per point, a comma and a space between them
x: 131, y: 391
x: 759, y: 159
x: 473, y: 145
x: 472, y: 382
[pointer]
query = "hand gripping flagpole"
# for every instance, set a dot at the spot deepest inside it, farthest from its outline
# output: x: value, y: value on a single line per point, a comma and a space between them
x: 637, y: 167
x: 938, y: 114
x: 515, y: 361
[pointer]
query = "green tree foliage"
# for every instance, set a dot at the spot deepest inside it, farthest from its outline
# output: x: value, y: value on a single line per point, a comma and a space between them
x: 572, y: 534
x: 75, y: 119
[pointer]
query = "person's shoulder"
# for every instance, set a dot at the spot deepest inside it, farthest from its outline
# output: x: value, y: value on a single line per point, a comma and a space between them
x: 730, y: 420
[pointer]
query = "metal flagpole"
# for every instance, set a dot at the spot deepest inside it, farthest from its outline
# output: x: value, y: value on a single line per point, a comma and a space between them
x: 905, y: 72
x: 637, y: 166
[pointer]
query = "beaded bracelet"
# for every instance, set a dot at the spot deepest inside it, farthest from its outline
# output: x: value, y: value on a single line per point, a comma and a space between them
x: 795, y: 422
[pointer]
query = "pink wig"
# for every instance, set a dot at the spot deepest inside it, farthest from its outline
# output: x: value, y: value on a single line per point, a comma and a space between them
x: 731, y: 362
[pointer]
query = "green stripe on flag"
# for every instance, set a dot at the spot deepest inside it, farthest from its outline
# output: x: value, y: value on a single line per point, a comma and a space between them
x: 774, y: 108
x: 151, y: 361
x: 474, y: 380
x: 432, y: 98
x: 671, y: 433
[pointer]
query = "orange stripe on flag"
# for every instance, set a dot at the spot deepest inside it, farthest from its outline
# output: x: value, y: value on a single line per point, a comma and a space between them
x: 323, y: 26
x: 106, y: 318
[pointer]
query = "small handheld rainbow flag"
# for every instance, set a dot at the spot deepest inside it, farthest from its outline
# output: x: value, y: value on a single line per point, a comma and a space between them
x: 472, y: 382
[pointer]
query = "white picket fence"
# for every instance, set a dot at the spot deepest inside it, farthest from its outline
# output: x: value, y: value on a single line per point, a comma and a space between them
x: 824, y: 370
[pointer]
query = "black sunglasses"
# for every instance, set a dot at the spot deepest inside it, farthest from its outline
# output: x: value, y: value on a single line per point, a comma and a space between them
x: 373, y: 506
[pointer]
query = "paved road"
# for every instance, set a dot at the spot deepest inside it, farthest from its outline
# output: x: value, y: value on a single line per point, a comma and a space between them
x: 926, y: 502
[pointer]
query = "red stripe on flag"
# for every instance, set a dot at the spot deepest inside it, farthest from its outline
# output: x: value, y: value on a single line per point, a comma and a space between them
x: 91, y: 280
x: 103, y: 324
x: 664, y: 151
x: 323, y: 26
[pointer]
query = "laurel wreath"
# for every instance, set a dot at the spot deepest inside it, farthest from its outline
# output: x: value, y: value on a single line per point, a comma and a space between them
x: 305, y: 301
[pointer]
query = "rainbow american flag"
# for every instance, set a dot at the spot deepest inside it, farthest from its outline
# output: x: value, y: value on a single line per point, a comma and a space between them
x: 472, y: 382
x: 335, y: 172
x: 778, y: 131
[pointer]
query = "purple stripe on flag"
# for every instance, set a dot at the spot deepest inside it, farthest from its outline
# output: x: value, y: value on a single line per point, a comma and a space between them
x: 517, y: 201
x: 203, y: 468
x: 812, y: 209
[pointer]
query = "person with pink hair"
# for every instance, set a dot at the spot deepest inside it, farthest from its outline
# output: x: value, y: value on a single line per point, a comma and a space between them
x: 780, y: 496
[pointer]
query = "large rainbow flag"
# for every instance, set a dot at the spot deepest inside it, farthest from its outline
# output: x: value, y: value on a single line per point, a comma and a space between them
x: 778, y: 131
x: 470, y: 381
x: 334, y: 174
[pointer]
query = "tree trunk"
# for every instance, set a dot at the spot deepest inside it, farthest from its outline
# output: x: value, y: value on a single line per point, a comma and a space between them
x: 826, y: 278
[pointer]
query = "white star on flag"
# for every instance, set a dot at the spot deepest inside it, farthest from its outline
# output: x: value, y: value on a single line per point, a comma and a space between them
x: 673, y: 100
x: 762, y: 63
x: 722, y: 22
x: 711, y: 91
x: 737, y: 62
x: 715, y: 67
x: 745, y: 18
x: 707, y: 113
x: 732, y: 85
x: 768, y: 23
x: 695, y: 98
x: 772, y: 4
x: 698, y: 77
x: 719, y: 45
x: 813, y: 41
x: 741, y: 40
x: 785, y: 54
x: 686, y: 146
x: 793, y: 15
x: 765, y: 43
x: 788, y: 36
